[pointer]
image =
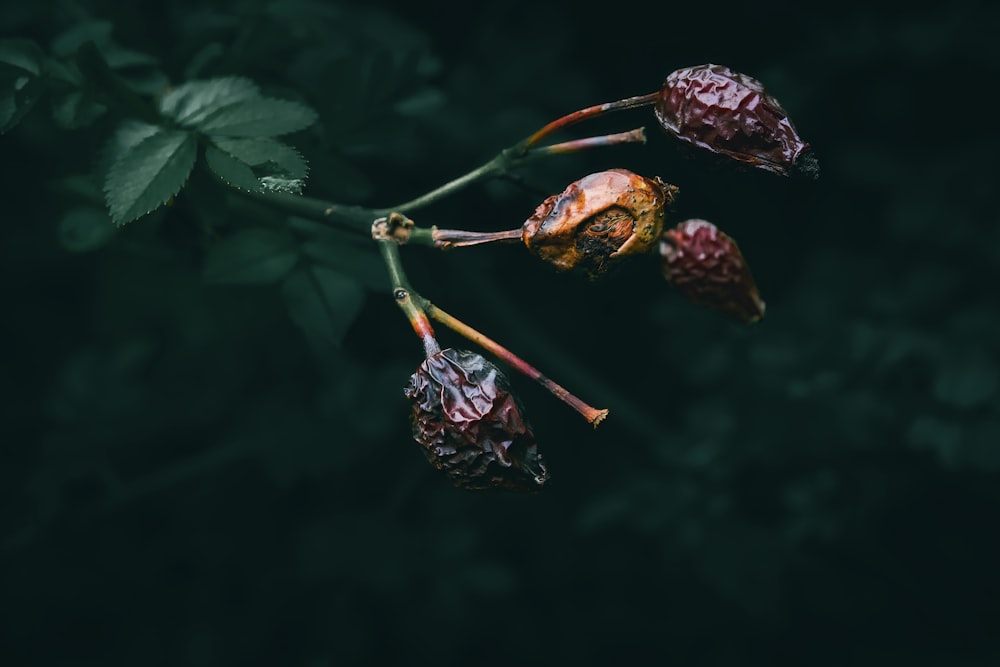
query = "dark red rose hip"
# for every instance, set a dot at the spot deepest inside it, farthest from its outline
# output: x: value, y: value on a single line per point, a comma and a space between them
x: 471, y: 426
x: 708, y: 268
x: 730, y: 114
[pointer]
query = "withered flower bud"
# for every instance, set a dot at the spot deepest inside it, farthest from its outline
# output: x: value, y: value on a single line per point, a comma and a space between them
x: 471, y: 426
x: 598, y: 220
x: 728, y: 113
x: 708, y: 268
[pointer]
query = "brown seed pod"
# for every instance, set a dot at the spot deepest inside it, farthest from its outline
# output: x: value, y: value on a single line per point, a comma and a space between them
x: 598, y: 220
x: 708, y: 268
x: 730, y: 114
x: 471, y: 426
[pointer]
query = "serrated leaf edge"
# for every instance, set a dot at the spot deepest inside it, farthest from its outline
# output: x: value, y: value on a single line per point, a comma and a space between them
x: 114, y: 165
x: 215, y: 139
x: 220, y: 132
x: 260, y: 186
x: 192, y: 117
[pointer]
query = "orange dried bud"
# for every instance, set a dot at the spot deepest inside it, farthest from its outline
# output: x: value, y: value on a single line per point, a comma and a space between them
x: 471, y: 426
x: 598, y: 220
x: 708, y: 268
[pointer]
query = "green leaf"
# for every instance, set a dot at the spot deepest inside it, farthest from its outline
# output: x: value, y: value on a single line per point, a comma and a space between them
x: 202, y: 58
x: 118, y: 57
x: 234, y: 107
x: 323, y: 303
x: 66, y: 43
x: 20, y: 85
x: 234, y: 172
x: 22, y: 54
x: 424, y: 102
x: 145, y: 175
x: 145, y: 81
x: 274, y: 165
x: 75, y: 109
x: 18, y: 95
x: 261, y: 117
x: 363, y: 264
x: 260, y: 151
x: 253, y: 256
x: 84, y: 187
x: 85, y: 228
x: 66, y: 72
x: 342, y: 251
x: 128, y: 135
x: 189, y: 103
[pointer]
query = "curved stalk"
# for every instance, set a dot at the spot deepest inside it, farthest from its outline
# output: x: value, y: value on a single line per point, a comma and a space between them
x: 401, y: 292
x: 385, y: 231
x: 588, y: 113
x: 593, y: 415
x: 511, y: 158
x: 447, y: 239
x: 638, y: 135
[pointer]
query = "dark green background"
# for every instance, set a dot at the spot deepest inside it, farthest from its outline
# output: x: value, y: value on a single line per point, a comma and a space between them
x: 185, y: 480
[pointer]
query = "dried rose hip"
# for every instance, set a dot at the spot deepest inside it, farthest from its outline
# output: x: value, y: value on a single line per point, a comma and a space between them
x: 598, y: 220
x: 471, y: 426
x: 728, y: 113
x: 708, y: 268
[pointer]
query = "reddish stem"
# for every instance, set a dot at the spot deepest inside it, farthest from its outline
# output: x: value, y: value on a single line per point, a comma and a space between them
x: 637, y: 135
x: 418, y: 320
x: 589, y: 112
x: 458, y: 238
x: 591, y: 414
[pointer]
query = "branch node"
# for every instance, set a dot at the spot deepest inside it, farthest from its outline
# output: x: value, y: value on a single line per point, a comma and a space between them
x: 396, y: 228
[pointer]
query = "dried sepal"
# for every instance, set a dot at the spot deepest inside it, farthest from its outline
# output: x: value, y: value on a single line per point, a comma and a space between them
x: 471, y: 426
x: 598, y: 220
x: 730, y: 114
x: 707, y: 267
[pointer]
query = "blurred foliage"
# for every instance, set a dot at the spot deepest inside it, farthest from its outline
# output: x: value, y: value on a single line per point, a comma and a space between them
x: 206, y: 451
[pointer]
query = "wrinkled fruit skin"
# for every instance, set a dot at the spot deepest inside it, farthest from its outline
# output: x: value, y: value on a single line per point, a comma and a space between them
x: 597, y: 221
x: 471, y: 426
x: 709, y: 269
x: 728, y: 113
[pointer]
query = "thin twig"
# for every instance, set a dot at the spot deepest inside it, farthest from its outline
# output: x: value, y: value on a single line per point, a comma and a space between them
x: 593, y: 415
x: 586, y: 114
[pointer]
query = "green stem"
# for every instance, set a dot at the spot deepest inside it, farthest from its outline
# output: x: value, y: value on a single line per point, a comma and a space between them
x: 355, y: 219
x: 358, y: 219
x: 511, y: 158
x: 404, y: 295
x: 499, y: 164
x: 389, y: 232
x: 425, y: 236
x: 393, y: 264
